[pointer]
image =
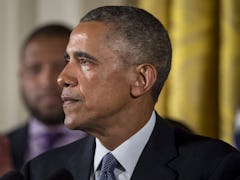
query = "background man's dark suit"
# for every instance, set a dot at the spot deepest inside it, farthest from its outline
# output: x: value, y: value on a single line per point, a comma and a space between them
x: 171, y: 153
x: 19, y: 143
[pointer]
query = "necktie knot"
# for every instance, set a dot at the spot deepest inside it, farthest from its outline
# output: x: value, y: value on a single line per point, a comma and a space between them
x: 51, y: 138
x: 109, y: 163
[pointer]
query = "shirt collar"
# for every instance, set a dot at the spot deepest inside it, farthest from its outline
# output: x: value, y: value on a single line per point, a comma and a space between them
x: 129, y: 151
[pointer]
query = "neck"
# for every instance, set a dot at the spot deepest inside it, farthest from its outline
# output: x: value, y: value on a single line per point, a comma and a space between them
x: 121, y: 128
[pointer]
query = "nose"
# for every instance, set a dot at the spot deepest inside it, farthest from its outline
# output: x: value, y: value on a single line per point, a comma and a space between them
x: 67, y: 77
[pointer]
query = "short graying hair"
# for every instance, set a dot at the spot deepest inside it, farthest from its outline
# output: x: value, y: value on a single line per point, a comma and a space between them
x: 145, y: 40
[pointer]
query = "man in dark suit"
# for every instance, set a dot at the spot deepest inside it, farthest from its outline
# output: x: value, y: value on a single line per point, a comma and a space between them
x: 118, y: 59
x: 40, y: 64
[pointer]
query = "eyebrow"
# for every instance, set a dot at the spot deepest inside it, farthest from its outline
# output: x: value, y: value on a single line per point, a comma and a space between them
x: 85, y: 55
x: 81, y: 54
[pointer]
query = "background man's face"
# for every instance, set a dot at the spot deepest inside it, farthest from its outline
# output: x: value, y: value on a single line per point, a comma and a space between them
x: 42, y: 62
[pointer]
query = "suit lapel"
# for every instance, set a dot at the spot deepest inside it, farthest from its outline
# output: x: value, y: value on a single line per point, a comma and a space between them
x: 81, y: 161
x: 158, y: 152
x: 24, y: 145
x: 152, y: 164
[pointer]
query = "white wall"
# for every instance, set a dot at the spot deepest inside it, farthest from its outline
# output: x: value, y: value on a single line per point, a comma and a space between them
x: 17, y: 19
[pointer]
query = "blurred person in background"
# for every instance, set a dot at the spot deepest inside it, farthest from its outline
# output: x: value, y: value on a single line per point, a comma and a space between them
x: 237, y: 129
x: 42, y: 59
x: 5, y: 156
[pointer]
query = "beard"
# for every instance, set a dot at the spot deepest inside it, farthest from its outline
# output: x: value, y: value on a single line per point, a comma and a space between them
x: 47, y: 119
x: 52, y: 118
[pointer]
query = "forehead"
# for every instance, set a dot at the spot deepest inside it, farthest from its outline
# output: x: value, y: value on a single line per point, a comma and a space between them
x: 91, y: 28
x: 89, y: 34
x: 47, y: 43
x: 98, y: 40
x: 45, y: 49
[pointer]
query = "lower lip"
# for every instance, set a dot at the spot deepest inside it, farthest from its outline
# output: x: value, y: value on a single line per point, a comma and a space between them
x: 68, y: 103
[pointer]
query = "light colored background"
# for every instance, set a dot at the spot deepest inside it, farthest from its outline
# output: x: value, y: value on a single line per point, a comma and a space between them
x: 17, y: 19
x: 202, y: 90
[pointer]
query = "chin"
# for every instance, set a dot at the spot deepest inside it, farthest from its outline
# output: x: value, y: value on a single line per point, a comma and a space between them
x: 70, y: 123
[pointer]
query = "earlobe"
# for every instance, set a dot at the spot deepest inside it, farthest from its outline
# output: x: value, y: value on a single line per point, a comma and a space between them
x: 145, y: 79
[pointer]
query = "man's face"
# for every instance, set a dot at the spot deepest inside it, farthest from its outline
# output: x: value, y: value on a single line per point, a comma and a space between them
x: 96, y: 84
x: 42, y: 62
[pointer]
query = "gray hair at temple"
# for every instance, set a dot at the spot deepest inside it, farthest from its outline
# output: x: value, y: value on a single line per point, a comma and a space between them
x: 138, y: 37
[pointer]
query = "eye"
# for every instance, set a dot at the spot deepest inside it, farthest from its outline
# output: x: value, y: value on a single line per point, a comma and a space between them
x: 34, y: 69
x: 66, y: 57
x: 84, y: 60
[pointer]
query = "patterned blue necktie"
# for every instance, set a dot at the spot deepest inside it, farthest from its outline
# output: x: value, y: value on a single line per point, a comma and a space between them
x: 109, y: 163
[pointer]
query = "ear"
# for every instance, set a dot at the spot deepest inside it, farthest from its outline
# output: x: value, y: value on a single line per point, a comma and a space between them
x: 145, y: 79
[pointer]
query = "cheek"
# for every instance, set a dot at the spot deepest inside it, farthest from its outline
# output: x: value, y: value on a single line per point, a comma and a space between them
x: 108, y: 91
x: 28, y: 83
x: 104, y: 86
x: 25, y: 88
x: 29, y: 88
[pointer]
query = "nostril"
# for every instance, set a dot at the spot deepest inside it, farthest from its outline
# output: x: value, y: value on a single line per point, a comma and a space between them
x: 66, y: 85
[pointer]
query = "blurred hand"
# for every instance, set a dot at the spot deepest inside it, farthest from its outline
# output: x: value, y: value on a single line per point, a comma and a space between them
x: 5, y: 156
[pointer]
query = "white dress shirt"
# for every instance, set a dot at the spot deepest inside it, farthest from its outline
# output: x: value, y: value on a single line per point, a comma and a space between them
x: 127, y: 153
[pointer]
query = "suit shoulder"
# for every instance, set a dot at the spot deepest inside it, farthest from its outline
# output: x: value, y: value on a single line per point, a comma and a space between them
x: 22, y: 130
x: 211, y: 157
x: 64, y: 152
x: 60, y: 158
x: 208, y: 152
x: 187, y: 140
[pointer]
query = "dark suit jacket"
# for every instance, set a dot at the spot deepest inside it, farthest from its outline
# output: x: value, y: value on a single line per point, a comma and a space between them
x: 170, y: 154
x: 19, y: 142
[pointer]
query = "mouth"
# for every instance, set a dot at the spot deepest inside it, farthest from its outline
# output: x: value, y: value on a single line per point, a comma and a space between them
x: 69, y: 100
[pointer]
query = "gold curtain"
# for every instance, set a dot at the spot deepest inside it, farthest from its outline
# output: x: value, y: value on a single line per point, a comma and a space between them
x: 161, y: 12
x: 202, y: 87
x: 229, y: 74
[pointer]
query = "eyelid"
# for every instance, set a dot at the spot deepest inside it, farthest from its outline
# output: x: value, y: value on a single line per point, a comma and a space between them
x: 81, y: 57
x: 33, y: 69
x: 84, y: 60
x: 85, y: 56
x: 66, y: 57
